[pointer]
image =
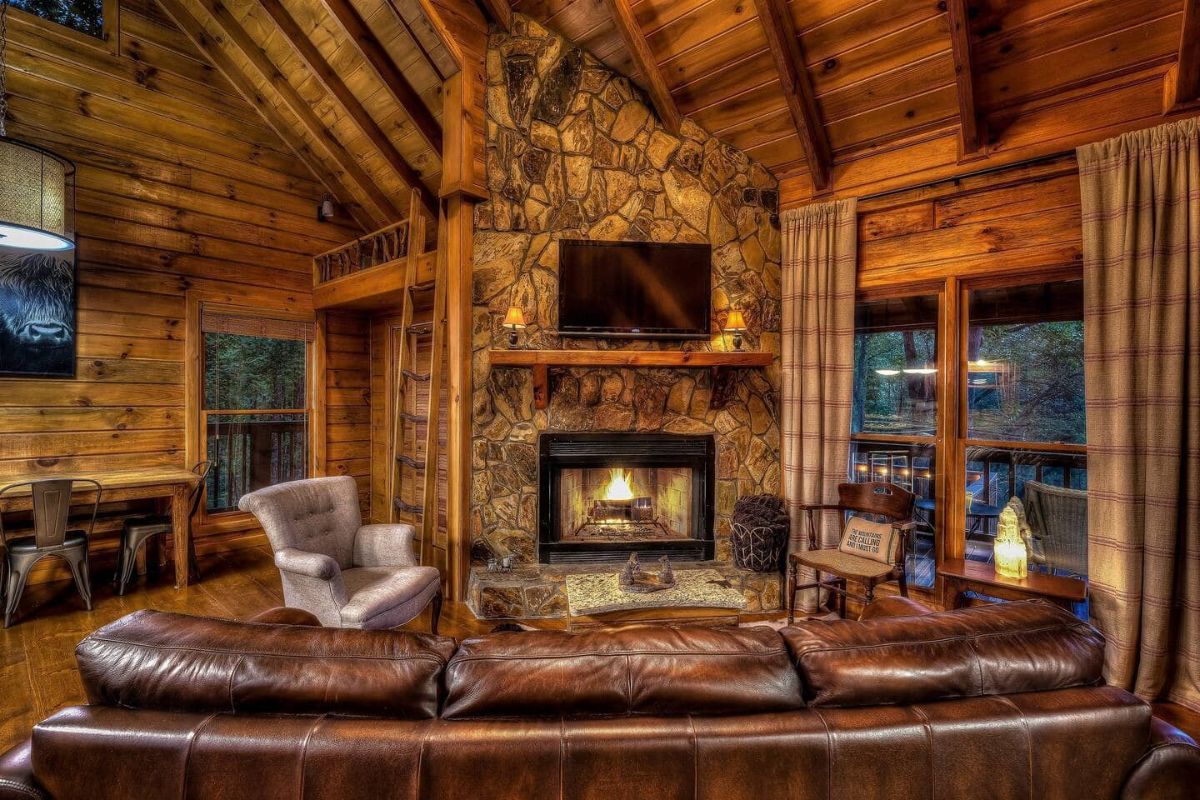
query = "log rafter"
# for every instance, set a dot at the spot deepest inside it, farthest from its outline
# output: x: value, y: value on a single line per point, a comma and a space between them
x: 204, y: 42
x: 970, y: 132
x: 643, y: 58
x: 389, y: 74
x: 797, y: 88
x: 499, y: 11
x: 1183, y: 80
x: 329, y: 79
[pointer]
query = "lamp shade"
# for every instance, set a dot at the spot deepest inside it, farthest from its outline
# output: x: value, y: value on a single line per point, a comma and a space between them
x: 515, y: 318
x: 37, y: 198
x: 735, y: 321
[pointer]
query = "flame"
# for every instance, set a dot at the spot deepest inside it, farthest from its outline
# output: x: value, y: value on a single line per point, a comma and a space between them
x: 618, y: 486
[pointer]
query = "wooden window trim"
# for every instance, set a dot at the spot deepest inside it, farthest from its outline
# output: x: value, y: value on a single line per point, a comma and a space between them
x: 267, y: 303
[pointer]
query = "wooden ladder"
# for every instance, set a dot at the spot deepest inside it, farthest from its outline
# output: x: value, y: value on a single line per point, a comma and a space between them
x: 405, y: 467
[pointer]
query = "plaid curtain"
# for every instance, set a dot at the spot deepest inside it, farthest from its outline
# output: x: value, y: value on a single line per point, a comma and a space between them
x: 1141, y: 248
x: 820, y: 248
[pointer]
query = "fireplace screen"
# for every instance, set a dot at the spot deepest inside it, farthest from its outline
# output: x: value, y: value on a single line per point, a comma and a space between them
x: 603, y: 496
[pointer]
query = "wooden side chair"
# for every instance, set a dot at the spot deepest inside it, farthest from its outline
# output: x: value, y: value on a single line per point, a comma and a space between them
x: 51, y: 537
x: 139, y: 530
x: 872, y: 549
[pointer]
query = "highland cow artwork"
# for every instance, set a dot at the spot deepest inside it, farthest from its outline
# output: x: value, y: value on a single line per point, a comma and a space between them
x: 37, y: 314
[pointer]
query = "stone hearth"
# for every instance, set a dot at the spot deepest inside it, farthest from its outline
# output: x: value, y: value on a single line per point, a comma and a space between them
x: 539, y: 591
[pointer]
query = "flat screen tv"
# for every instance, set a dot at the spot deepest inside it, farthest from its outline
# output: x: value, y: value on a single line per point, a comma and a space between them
x: 634, y: 289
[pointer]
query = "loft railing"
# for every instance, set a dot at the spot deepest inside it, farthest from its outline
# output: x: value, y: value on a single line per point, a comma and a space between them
x: 380, y: 247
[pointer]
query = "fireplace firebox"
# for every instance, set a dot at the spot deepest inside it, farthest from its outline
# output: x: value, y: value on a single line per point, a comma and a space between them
x: 603, y: 496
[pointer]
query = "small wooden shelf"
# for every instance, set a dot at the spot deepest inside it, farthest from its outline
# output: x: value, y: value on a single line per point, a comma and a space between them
x: 720, y: 362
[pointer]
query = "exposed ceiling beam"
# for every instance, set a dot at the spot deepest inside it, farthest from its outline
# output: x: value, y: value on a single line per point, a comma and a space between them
x: 970, y: 138
x: 797, y: 88
x: 1183, y: 81
x: 225, y: 65
x: 316, y: 63
x: 643, y: 59
x: 386, y: 211
x: 381, y: 61
x: 499, y: 12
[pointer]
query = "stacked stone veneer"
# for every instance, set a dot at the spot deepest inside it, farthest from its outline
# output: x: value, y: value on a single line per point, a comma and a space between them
x: 573, y: 151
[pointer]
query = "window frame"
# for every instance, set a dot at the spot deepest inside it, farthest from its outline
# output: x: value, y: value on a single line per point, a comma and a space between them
x: 950, y: 443
x: 274, y: 306
x: 109, y: 40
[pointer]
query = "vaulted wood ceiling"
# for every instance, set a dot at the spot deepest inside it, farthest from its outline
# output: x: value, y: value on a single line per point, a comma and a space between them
x: 352, y: 86
x: 885, y: 75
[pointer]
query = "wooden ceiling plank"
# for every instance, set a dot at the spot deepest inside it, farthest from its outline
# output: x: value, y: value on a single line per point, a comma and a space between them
x: 499, y: 12
x: 227, y: 68
x: 249, y: 49
x: 329, y: 79
x: 797, y: 88
x: 643, y: 58
x: 1183, y: 84
x: 389, y: 73
x: 970, y: 136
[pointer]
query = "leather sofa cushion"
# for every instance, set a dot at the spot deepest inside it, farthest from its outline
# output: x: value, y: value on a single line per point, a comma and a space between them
x: 174, y: 662
x: 636, y: 669
x: 999, y: 649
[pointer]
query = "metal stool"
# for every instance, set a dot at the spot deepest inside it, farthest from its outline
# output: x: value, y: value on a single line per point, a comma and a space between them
x: 138, y: 530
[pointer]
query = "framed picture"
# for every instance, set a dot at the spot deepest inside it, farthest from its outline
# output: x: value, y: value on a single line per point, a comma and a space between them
x: 37, y: 313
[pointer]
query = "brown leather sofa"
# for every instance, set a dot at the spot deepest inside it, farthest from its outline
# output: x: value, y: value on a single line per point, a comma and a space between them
x: 995, y: 702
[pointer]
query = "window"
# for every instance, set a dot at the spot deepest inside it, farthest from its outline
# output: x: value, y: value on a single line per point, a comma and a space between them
x: 1014, y: 425
x: 254, y: 416
x: 85, y: 16
x: 1025, y: 417
x: 895, y: 408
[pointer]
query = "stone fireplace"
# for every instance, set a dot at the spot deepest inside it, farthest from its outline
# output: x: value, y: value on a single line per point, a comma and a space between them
x: 573, y: 151
x: 603, y: 496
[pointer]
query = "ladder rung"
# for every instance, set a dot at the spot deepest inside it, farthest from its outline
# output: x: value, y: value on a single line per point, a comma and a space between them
x: 407, y: 417
x: 407, y: 508
x: 411, y: 462
x: 414, y: 376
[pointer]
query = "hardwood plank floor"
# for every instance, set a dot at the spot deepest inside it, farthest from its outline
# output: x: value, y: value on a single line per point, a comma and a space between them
x: 37, y: 661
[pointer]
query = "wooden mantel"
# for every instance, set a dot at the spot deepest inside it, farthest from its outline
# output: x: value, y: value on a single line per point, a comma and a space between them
x: 720, y: 362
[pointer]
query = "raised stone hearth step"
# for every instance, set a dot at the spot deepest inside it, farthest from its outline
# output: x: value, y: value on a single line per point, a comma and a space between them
x: 539, y: 591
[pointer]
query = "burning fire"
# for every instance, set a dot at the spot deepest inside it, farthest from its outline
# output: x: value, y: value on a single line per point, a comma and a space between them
x: 618, y: 486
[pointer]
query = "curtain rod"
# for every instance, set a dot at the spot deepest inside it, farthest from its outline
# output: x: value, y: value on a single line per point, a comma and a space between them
x: 977, y: 173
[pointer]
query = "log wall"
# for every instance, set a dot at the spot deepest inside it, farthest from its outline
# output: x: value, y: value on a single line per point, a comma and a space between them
x: 180, y: 185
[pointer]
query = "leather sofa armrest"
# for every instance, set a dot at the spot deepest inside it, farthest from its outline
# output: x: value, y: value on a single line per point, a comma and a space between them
x: 310, y: 565
x: 16, y: 775
x: 1169, y: 769
x: 284, y: 615
x: 894, y: 607
x: 385, y: 546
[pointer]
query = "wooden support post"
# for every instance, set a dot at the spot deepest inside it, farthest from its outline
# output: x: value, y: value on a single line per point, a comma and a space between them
x: 460, y: 211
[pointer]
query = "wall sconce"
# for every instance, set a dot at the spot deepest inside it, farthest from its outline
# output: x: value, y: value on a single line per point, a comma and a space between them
x: 735, y: 323
x: 514, y: 320
x: 326, y: 209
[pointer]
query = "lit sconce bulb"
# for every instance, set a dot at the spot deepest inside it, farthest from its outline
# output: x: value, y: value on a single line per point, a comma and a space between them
x: 883, y: 471
x: 920, y: 371
x: 862, y: 467
x: 887, y: 373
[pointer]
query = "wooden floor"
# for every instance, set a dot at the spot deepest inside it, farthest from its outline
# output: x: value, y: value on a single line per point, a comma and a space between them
x: 37, y: 662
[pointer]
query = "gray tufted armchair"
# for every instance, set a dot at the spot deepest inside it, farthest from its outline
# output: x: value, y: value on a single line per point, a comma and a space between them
x: 347, y: 574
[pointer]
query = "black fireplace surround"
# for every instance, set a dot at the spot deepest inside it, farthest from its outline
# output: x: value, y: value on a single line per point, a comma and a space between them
x: 563, y: 451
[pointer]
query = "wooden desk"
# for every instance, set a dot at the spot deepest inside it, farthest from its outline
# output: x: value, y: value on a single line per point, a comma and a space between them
x: 160, y: 483
x: 959, y: 576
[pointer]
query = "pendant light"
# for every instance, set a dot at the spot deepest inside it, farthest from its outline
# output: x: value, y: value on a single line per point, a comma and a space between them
x: 37, y: 188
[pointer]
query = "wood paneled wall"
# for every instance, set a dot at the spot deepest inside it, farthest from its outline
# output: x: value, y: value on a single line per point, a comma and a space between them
x: 1020, y: 219
x: 180, y: 185
x: 348, y: 399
